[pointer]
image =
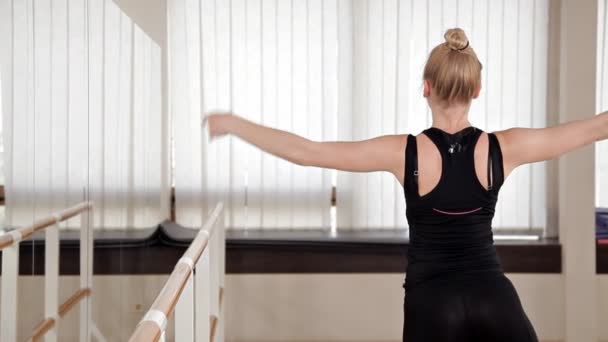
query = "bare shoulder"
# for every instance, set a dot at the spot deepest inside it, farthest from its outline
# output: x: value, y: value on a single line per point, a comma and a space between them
x: 398, y: 144
x: 381, y: 153
x: 388, y: 150
x: 505, y: 137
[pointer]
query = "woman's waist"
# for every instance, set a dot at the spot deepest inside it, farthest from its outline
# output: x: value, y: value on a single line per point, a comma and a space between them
x: 450, y: 250
x: 437, y: 265
x: 451, y: 279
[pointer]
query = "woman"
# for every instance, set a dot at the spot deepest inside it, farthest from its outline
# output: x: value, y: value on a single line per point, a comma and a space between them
x: 455, y: 287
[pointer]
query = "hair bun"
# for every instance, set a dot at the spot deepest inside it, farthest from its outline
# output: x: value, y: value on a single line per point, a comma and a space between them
x: 456, y: 39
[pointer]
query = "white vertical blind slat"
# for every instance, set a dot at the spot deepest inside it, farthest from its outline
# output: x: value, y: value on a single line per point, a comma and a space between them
x: 360, y: 79
x: 185, y: 101
x: 210, y: 93
x: 253, y: 111
x: 6, y: 98
x: 373, y: 112
x: 508, y: 111
x: 539, y: 107
x: 42, y: 101
x: 330, y: 76
x: 345, y: 58
x: 392, y: 192
x: 239, y: 101
x: 402, y: 87
x: 269, y: 191
x: 479, y: 34
x: 284, y: 99
x: 96, y: 54
x: 22, y: 166
x: 299, y: 107
x: 111, y: 69
x: 525, y: 64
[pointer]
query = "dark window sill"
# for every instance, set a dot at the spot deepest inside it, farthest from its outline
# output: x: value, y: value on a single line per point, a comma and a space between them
x: 361, y: 252
x: 156, y: 250
x: 602, y: 259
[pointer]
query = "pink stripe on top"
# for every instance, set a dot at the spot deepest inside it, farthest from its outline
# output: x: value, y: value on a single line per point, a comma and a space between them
x: 457, y: 212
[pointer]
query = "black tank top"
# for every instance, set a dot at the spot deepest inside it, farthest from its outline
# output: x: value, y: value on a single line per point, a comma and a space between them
x: 451, y: 226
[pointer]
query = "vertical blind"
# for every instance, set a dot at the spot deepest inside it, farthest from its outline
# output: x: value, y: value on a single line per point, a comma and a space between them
x: 89, y: 85
x: 272, y: 62
x: 601, y: 148
x: 347, y: 70
x: 82, y: 112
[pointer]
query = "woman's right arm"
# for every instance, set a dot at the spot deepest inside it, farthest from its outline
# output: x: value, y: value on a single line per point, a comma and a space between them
x: 528, y: 145
x: 381, y: 153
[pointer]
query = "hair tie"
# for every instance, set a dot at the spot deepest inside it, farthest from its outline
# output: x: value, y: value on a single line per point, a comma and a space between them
x: 465, y: 47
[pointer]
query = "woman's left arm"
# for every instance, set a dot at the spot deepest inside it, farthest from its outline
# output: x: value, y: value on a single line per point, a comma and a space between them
x: 528, y: 145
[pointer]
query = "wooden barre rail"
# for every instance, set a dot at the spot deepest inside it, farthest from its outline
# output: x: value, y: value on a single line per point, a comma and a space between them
x: 10, y: 245
x: 47, y: 324
x: 214, y: 319
x: 167, y: 298
x: 25, y: 232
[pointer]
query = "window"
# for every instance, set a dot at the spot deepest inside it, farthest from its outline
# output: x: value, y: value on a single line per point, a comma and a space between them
x: 327, y: 70
x: 345, y: 70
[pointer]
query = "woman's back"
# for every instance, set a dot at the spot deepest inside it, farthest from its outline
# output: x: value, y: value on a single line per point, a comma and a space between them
x: 450, y: 220
x: 455, y: 287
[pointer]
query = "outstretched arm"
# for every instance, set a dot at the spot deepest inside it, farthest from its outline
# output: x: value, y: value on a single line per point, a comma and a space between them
x: 527, y: 145
x: 384, y: 153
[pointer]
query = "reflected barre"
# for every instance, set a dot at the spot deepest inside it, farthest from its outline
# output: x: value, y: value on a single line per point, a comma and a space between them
x: 17, y: 235
x: 9, y: 244
x: 47, y: 324
x: 194, y: 290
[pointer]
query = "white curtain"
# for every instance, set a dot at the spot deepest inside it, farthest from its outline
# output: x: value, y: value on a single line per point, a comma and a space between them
x: 601, y: 148
x: 272, y: 62
x: 82, y: 112
x: 391, y: 41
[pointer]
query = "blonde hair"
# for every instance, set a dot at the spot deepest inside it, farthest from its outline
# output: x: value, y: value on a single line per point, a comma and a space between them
x: 453, y: 68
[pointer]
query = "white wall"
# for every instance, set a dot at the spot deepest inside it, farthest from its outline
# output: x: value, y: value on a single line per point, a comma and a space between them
x: 291, y: 307
x: 357, y: 307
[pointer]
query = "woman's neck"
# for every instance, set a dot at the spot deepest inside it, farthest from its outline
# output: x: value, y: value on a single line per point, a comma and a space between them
x: 452, y: 118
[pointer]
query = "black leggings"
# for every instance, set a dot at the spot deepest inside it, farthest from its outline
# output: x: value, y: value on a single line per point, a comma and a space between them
x: 486, y: 309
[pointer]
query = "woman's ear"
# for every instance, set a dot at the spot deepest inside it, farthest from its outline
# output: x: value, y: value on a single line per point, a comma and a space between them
x: 426, y: 92
x: 477, y: 91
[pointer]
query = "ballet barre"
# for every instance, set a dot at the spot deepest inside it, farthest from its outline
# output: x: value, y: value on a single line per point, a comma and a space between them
x: 193, y: 292
x: 9, y: 244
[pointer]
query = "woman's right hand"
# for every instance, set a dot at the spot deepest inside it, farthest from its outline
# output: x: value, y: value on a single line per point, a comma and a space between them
x: 218, y: 122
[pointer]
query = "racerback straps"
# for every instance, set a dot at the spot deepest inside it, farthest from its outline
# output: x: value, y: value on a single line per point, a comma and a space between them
x: 411, y: 165
x: 495, y: 167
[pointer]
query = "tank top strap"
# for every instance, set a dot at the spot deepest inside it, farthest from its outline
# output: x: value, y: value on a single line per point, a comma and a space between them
x: 438, y: 138
x: 455, y: 149
x: 411, y: 165
x: 495, y: 164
